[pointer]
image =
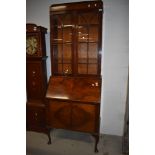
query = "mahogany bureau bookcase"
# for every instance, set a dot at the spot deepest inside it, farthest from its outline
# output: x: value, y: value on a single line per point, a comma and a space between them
x: 36, y: 79
x: 74, y: 89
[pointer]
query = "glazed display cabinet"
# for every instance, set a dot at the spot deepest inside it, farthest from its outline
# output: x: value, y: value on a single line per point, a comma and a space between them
x: 76, y: 38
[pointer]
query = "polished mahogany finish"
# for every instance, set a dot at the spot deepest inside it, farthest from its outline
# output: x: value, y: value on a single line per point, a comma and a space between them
x: 74, y: 89
x: 36, y: 120
x: 36, y: 79
x: 74, y: 103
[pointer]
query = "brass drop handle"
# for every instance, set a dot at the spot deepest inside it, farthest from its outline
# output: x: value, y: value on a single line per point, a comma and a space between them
x: 92, y: 84
x: 95, y: 84
x: 36, y: 114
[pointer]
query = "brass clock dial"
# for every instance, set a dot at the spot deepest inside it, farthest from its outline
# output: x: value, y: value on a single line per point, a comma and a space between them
x: 31, y: 45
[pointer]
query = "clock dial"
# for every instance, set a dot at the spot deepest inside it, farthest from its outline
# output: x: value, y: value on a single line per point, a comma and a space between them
x: 31, y: 45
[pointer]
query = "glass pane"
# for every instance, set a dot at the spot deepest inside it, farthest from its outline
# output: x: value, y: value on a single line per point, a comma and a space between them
x: 82, y: 33
x: 67, y: 20
x: 57, y: 28
x: 82, y: 53
x: 92, y: 68
x: 57, y: 34
x: 57, y: 50
x: 67, y: 34
x: 60, y: 68
x: 94, y: 19
x: 88, y: 18
x: 92, y: 53
x: 93, y: 33
x: 67, y: 69
x: 82, y: 68
x: 56, y: 20
x: 67, y: 53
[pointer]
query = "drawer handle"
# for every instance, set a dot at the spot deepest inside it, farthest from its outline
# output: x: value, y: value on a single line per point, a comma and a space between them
x: 36, y: 114
x: 95, y: 84
x: 88, y: 5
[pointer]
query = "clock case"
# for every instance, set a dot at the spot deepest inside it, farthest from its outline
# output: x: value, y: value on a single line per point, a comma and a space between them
x: 36, y: 82
x: 37, y: 32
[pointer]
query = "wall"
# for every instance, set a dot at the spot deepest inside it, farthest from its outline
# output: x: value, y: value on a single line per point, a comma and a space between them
x: 114, y: 59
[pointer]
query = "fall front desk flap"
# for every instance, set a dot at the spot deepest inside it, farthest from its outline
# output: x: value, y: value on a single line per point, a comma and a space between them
x: 83, y: 89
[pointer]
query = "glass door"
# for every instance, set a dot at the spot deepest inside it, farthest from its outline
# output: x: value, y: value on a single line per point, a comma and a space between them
x: 87, y: 46
x: 62, y: 44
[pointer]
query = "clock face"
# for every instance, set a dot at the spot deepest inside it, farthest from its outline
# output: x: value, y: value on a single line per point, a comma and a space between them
x: 31, y: 45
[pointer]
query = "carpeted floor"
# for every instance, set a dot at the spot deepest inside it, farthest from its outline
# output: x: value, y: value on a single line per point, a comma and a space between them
x: 71, y: 143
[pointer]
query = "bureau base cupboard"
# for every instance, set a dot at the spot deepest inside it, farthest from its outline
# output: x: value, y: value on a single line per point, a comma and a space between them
x: 73, y: 103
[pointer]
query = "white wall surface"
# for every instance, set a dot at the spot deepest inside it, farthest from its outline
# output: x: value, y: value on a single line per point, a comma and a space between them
x: 115, y: 53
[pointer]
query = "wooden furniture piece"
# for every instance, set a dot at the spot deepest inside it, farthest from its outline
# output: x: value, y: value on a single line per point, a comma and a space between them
x: 74, y: 104
x: 36, y: 79
x: 76, y: 37
x: 74, y: 89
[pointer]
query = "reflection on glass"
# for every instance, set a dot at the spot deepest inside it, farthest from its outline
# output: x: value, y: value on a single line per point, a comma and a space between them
x: 57, y: 34
x: 67, y: 34
x: 82, y: 34
x: 67, y: 69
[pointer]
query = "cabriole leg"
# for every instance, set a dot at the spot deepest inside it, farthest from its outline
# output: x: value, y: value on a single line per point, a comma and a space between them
x: 96, y: 136
x: 49, y: 136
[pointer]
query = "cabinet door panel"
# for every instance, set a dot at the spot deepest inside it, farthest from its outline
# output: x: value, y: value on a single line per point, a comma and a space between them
x: 35, y: 80
x: 59, y: 115
x: 84, y: 117
x: 35, y: 117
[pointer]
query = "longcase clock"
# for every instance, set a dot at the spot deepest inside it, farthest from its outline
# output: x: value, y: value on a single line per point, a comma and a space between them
x: 36, y: 79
